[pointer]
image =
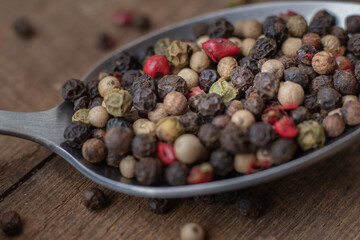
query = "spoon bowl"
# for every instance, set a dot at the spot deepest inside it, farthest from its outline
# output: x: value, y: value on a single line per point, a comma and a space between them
x: 47, y: 127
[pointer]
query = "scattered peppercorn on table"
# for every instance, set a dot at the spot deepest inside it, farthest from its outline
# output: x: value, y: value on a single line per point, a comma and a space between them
x: 47, y: 192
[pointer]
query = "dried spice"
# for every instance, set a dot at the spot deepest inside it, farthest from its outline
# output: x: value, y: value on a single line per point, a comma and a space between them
x: 234, y: 139
x: 98, y: 116
x: 260, y: 134
x: 94, y: 199
x: 156, y: 66
x: 222, y: 162
x: 176, y: 174
x: 333, y: 125
x: 225, y: 89
x: 92, y: 88
x: 157, y: 113
x: 23, y: 28
x: 296, y: 25
x: 169, y: 129
x: 345, y: 82
x: 296, y: 75
x: 251, y: 29
x: 255, y: 104
x: 290, y: 46
x: 125, y: 61
x: 191, y: 121
x: 290, y: 93
x: 275, y: 27
x: 353, y: 23
x: 112, y: 159
x: 209, y: 135
x: 353, y: 44
x: 144, y: 100
x: 247, y: 46
x: 305, y: 54
x: 73, y: 89
x: 286, y: 127
x: 128, y: 78
x: 165, y: 153
x: 175, y: 103
x: 219, y: 48
x: 117, y: 122
x: 159, y: 206
x: 241, y: 78
x: 233, y: 106
x: 118, y: 102
x: 321, y: 81
x: 161, y: 45
x: 143, y: 145
x: 192, y: 231
x: 244, y: 162
x: 81, y: 115
x: 264, y: 47
x: 210, y: 105
x: 267, y: 85
x: 199, y: 61
x: 207, y: 78
x: 330, y: 43
x: 190, y: 76
x: 108, y: 84
x: 127, y: 166
x: 312, y: 39
x: 283, y: 150
x: 343, y: 63
x: 328, y: 99
x: 177, y: 54
x: 311, y: 135
x: 250, y: 63
x: 250, y: 206
x: 221, y: 120
x: 11, y: 223
x: 148, y: 170
x: 171, y: 83
x: 118, y: 140
x: 225, y: 66
x: 300, y: 114
x: 220, y: 28
x: 93, y: 150
x: 321, y: 23
x: 95, y: 102
x: 309, y: 71
x: 76, y: 134
x: 188, y: 149
x: 351, y: 113
x: 200, y: 174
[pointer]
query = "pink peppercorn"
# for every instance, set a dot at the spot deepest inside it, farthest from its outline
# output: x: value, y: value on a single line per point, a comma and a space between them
x: 201, y: 174
x: 123, y: 18
x: 218, y: 48
x: 165, y: 153
x: 286, y: 128
x: 156, y: 66
x: 194, y: 91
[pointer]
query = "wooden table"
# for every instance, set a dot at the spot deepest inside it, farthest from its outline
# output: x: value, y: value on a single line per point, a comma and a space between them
x: 321, y: 202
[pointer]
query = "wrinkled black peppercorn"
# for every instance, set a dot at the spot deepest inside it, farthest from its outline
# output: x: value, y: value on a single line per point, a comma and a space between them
x: 144, y: 81
x: 353, y: 23
x: 261, y: 134
x: 241, y: 78
x: 250, y: 206
x: 264, y: 47
x: 144, y: 100
x: 210, y: 105
x: 191, y: 121
x: 94, y: 199
x: 81, y: 102
x: 267, y: 85
x: 300, y: 114
x: 23, y: 28
x: 117, y: 122
x: 321, y: 81
x: 353, y: 44
x: 147, y: 170
x: 200, y: 29
x: 321, y: 23
x: 113, y: 159
x: 11, y: 223
x: 92, y: 88
x: 305, y: 54
x: 220, y: 28
x: 234, y: 139
x: 310, y: 102
x: 176, y: 174
x: 209, y: 135
x: 222, y: 162
x: 255, y: 104
x: 329, y: 99
x: 124, y: 62
x: 128, y: 79
x: 171, y: 83
x: 250, y: 63
x: 207, y: 78
x: 159, y: 206
x: 340, y: 33
x: 76, y: 134
x: 309, y: 71
x: 95, y: 102
x: 275, y: 27
x: 345, y: 82
x: 143, y: 145
x: 283, y: 150
x: 73, y: 89
x: 296, y: 75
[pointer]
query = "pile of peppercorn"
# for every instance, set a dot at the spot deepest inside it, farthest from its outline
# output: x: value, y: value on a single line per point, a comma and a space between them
x: 239, y: 99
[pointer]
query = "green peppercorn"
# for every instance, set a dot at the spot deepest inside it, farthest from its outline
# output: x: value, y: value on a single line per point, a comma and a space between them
x: 225, y: 89
x: 161, y: 45
x: 169, y: 128
x: 177, y: 54
x: 81, y: 115
x: 118, y: 102
x: 311, y: 135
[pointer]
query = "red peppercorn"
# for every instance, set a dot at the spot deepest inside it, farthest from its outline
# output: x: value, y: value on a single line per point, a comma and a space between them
x: 218, y: 48
x: 288, y: 14
x: 258, y: 166
x: 194, y: 91
x: 343, y: 63
x: 271, y: 115
x: 286, y: 128
x: 165, y: 153
x: 156, y: 66
x: 201, y: 174
x: 123, y: 18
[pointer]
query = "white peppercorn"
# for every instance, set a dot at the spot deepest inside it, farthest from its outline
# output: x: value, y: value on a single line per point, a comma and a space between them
x: 188, y: 149
x: 290, y: 93
x: 251, y: 29
x: 348, y: 98
x: 144, y: 126
x: 296, y: 25
x: 225, y: 66
x: 192, y: 231
x: 199, y: 61
x: 243, y: 162
x: 201, y: 40
x: 290, y: 46
x: 243, y: 119
x: 190, y: 76
x: 108, y: 83
x: 323, y: 62
x: 273, y: 66
x: 158, y: 113
x: 330, y: 43
x: 127, y: 166
x: 238, y: 29
x: 335, y: 111
x: 175, y: 103
x: 98, y: 116
x: 247, y: 46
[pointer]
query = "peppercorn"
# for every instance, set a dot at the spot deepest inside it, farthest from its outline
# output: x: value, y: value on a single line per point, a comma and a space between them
x: 263, y: 155
x: 220, y: 28
x: 288, y: 61
x: 176, y: 174
x: 169, y: 129
x: 171, y: 83
x: 234, y: 139
x: 273, y: 66
x: 105, y: 41
x: 76, y: 134
x: 305, y: 54
x: 353, y: 45
x: 290, y: 93
x: 144, y: 100
x: 296, y: 75
x: 81, y: 103
x: 210, y: 105
x: 117, y: 122
x: 159, y: 206
x: 349, y: 98
x: 282, y: 150
x: 191, y: 121
x: 250, y: 63
x: 124, y: 62
x: 333, y: 125
x: 343, y: 63
x: 271, y: 115
x: 224, y: 89
x: 118, y: 140
x: 11, y: 223
x: 81, y: 115
x: 222, y: 162
x: 144, y: 126
x: 144, y: 81
x: 207, y: 78
x: 23, y: 28
x: 93, y: 150
x: 351, y: 113
x: 330, y: 43
x: 309, y: 71
x: 98, y: 116
x: 113, y: 159
x: 310, y: 102
x: 194, y: 101
x: 221, y: 121
x: 238, y: 29
x: 225, y: 66
x: 247, y: 46
x: 209, y: 135
x: 188, y: 149
x: 267, y: 85
x: 95, y: 102
x: 321, y: 81
x: 233, y: 106
x: 317, y: 117
x: 353, y: 23
x: 264, y: 47
x: 157, y: 113
x: 250, y: 206
x: 92, y: 89
x: 345, y: 82
x: 275, y: 27
x: 321, y: 23
x: 205, y: 199
x: 73, y: 89
x: 161, y: 45
x: 118, y: 102
x: 243, y: 162
x: 200, y: 40
x: 200, y: 174
x: 192, y: 231
x: 156, y: 66
x: 251, y: 29
x: 190, y: 76
x: 147, y: 170
x: 127, y: 166
x: 340, y: 33
x: 177, y: 54
x: 260, y: 134
x: 94, y: 199
x: 300, y: 114
x: 335, y: 111
x: 312, y: 39
x: 254, y: 104
x: 143, y: 145
x: 296, y: 25
x: 175, y: 103
x: 107, y: 84
x: 200, y: 29
x: 129, y: 77
x: 98, y: 133
x: 328, y: 99
x: 290, y: 46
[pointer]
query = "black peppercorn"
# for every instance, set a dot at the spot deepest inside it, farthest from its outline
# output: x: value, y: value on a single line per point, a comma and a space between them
x: 264, y: 47
x: 267, y: 85
x: 92, y: 88
x: 351, y: 113
x: 113, y: 159
x: 234, y: 139
x: 296, y: 75
x: 128, y: 78
x: 191, y: 121
x: 11, y: 223
x: 254, y: 104
x: 144, y: 100
x: 118, y: 140
x: 81, y: 102
x: 345, y: 82
x: 241, y: 78
x: 176, y: 174
x: 300, y: 114
x: 321, y: 81
x: 340, y: 33
x: 73, y: 89
x: 221, y: 120
x: 353, y: 23
x: 160, y: 206
x: 222, y: 162
x: 76, y: 134
x: 95, y: 102
x: 143, y: 145
x: 308, y: 70
x: 94, y: 199
x: 260, y: 134
x: 93, y: 150
x: 220, y: 28
x: 321, y: 23
x: 283, y: 150
x: 23, y: 28
x: 171, y: 83
x: 207, y: 78
x: 329, y: 99
x: 305, y: 54
x: 353, y: 44
x: 317, y: 117
x: 209, y: 135
x: 288, y: 61
x: 117, y: 122
x: 210, y: 105
x: 357, y: 70
x: 98, y: 133
x: 147, y: 170
x: 275, y: 27
x: 200, y: 29
x: 250, y: 63
x: 144, y: 81
x: 250, y: 206
x: 124, y: 62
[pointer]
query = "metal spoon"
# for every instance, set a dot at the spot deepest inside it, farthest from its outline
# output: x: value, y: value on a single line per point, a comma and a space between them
x: 47, y: 127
